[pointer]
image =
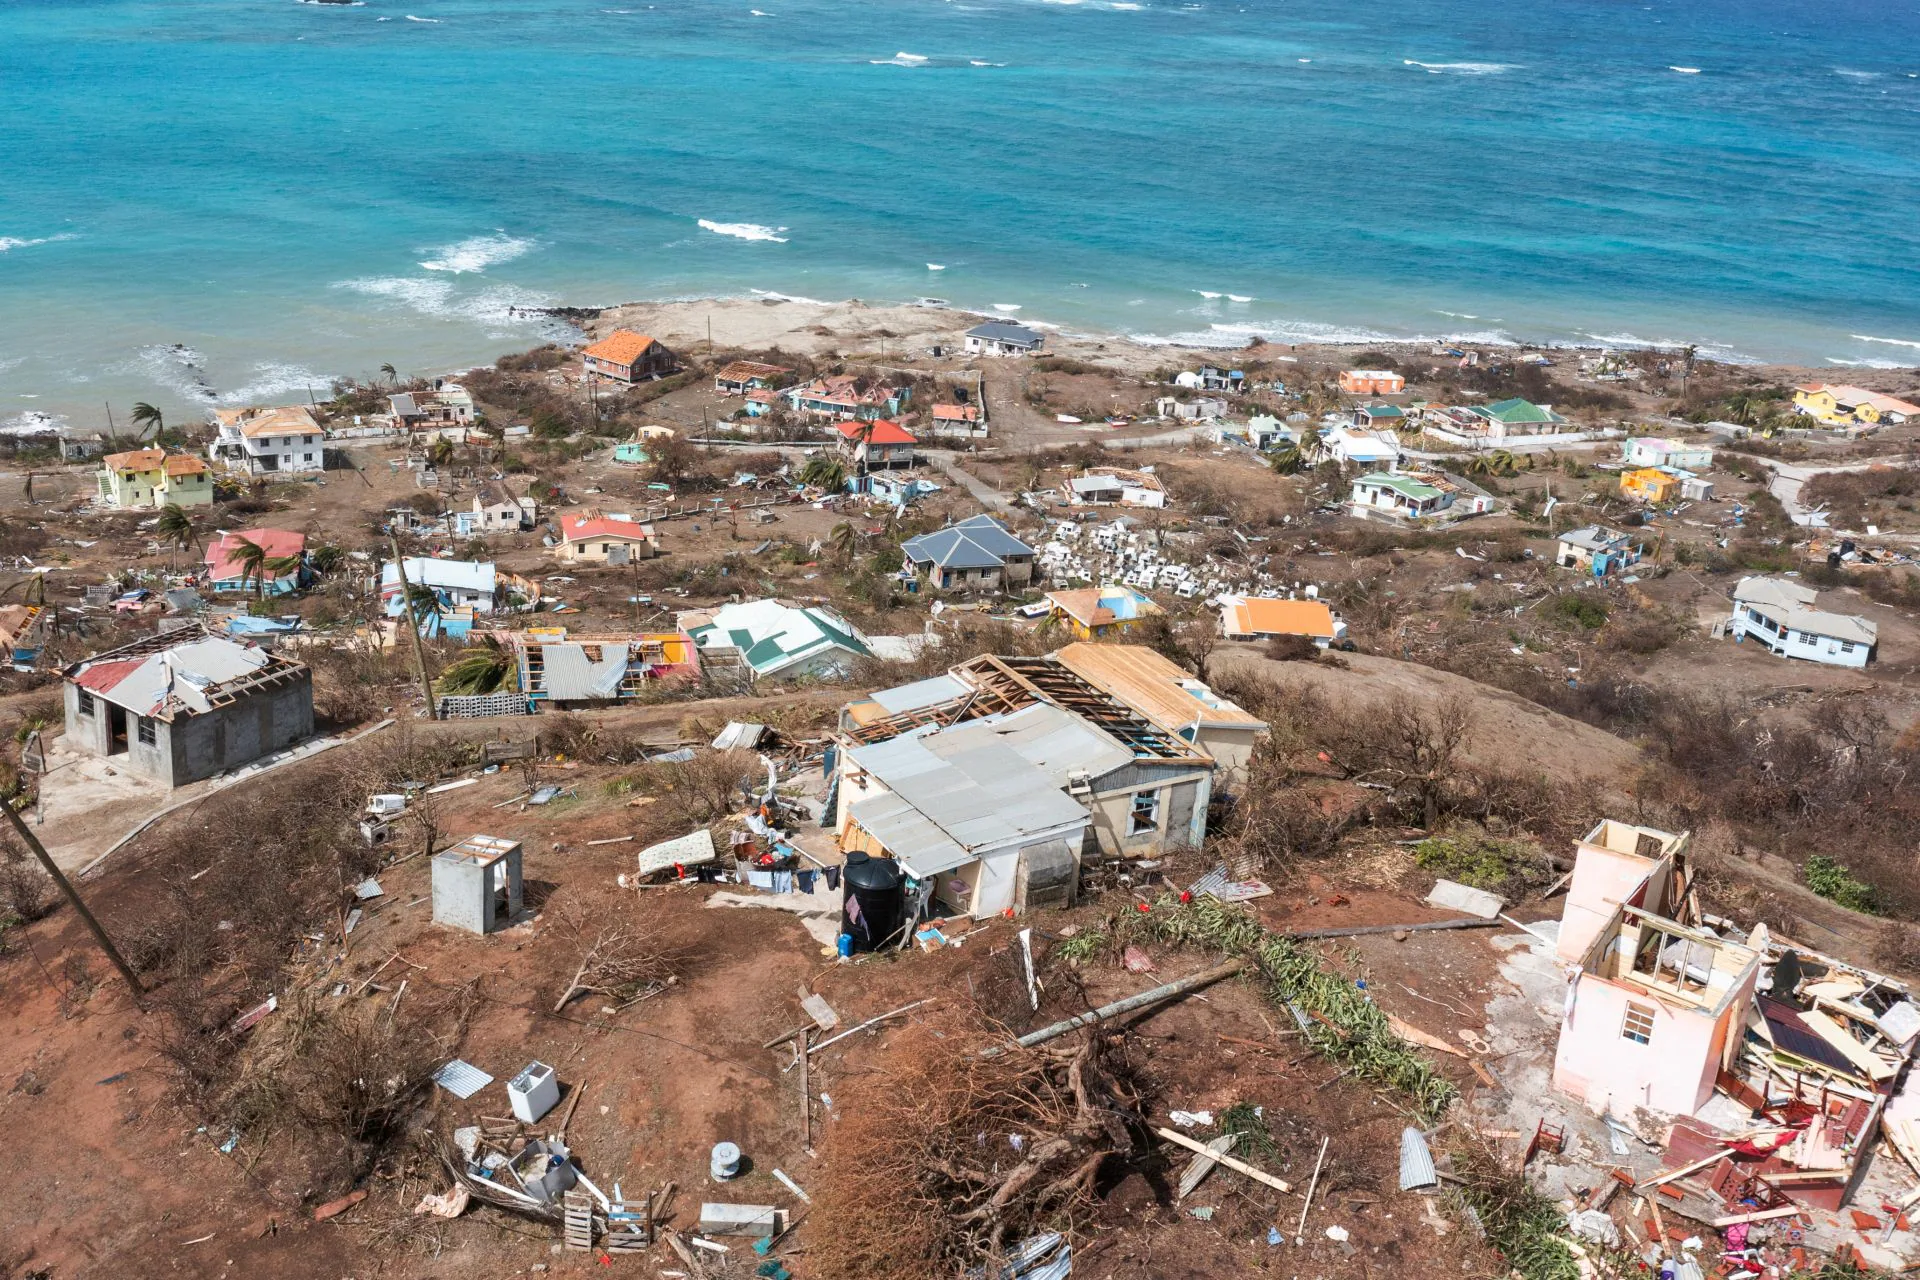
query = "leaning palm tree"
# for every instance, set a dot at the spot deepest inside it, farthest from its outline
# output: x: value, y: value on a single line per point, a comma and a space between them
x: 391, y: 374
x: 843, y: 539
x: 1501, y: 463
x: 145, y: 416
x: 485, y: 668
x: 1286, y: 460
x: 824, y: 471
x: 175, y: 528
x: 324, y: 559
x: 251, y: 559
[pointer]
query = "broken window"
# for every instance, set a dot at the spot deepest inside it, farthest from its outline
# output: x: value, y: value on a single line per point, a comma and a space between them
x: 1637, y: 1026
x: 1144, y: 818
x: 1673, y: 958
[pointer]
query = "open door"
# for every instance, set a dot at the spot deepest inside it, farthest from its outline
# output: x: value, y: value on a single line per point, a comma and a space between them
x: 116, y: 730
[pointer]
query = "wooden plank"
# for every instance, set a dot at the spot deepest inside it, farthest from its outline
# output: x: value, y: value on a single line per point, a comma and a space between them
x: 1764, y: 1215
x: 1182, y: 1140
x: 1201, y: 1165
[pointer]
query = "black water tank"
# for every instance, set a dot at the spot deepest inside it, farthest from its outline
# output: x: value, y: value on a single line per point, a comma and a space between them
x: 879, y: 887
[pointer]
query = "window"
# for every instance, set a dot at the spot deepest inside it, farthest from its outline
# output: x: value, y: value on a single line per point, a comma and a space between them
x: 86, y: 703
x: 306, y: 457
x: 1637, y: 1026
x: 1846, y: 646
x: 1144, y: 819
x: 145, y: 730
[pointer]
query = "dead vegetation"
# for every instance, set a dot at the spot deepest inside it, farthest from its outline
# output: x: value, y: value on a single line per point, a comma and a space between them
x: 953, y: 1156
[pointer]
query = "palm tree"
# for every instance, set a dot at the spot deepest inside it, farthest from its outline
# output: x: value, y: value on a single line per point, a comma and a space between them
x: 256, y: 565
x: 482, y: 669
x: 324, y: 559
x: 176, y: 530
x: 824, y: 471
x: 1501, y: 463
x: 144, y: 416
x: 843, y: 539
x: 1286, y: 460
x: 388, y: 372
x: 440, y: 452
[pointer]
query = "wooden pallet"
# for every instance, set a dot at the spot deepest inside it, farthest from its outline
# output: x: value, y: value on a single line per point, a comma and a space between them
x: 577, y: 1220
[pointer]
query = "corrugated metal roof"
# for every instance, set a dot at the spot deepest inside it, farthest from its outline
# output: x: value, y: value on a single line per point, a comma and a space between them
x: 1056, y: 742
x: 921, y: 693
x: 184, y: 674
x: 1146, y: 681
x: 921, y: 847
x: 454, y: 575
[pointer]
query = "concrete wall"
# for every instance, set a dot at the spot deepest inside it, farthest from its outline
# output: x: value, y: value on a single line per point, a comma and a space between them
x: 241, y: 732
x: 199, y: 746
x: 1112, y: 807
x: 1603, y: 879
x: 1673, y: 1072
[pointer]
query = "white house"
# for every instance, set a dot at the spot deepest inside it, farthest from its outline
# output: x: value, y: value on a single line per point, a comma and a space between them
x: 1403, y: 497
x: 1596, y: 547
x: 1360, y: 448
x: 1780, y: 615
x: 1197, y: 410
x: 268, y: 441
x: 1003, y: 338
x: 497, y: 510
x: 455, y: 583
x: 1656, y: 451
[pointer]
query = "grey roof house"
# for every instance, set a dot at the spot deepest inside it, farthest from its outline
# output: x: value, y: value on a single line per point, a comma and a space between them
x: 1003, y: 338
x: 185, y: 705
x: 977, y: 554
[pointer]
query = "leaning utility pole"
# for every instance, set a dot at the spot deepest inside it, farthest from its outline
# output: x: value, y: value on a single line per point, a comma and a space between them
x: 413, y: 626
x: 73, y: 896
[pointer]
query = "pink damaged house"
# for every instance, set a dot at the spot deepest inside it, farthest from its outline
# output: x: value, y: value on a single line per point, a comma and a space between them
x: 1657, y: 1004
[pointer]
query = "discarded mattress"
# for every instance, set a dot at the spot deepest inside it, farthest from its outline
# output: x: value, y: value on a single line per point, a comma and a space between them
x: 690, y: 850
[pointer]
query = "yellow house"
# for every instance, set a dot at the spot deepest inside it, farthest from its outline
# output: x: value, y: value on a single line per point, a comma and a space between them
x: 1839, y: 405
x: 154, y: 478
x: 1649, y: 484
x: 1095, y: 612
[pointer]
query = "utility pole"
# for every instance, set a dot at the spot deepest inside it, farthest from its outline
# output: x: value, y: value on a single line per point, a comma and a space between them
x: 413, y: 626
x: 73, y: 896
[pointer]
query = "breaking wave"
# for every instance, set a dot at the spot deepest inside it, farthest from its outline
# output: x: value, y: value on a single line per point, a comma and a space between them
x: 477, y: 253
x: 1461, y: 68
x: 744, y: 230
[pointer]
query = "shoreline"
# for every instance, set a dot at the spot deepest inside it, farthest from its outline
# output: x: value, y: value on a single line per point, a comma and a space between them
x: 856, y: 328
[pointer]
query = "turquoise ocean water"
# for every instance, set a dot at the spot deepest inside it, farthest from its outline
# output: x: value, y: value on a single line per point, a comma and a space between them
x: 291, y: 191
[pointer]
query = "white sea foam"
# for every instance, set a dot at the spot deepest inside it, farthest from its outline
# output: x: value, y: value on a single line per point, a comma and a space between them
x: 1239, y: 297
x: 270, y: 381
x: 744, y: 230
x: 10, y: 243
x: 32, y: 423
x: 936, y: 266
x: 1124, y: 7
x: 1891, y: 342
x: 1686, y: 71
x: 477, y: 253
x: 1207, y: 295
x: 173, y: 365
x: 1008, y: 307
x: 411, y: 18
x: 1865, y: 364
x: 336, y: 4
x: 1856, y: 75
x: 1461, y: 68
x: 900, y: 60
x: 788, y: 297
x: 978, y: 63
x: 503, y: 310
x: 1457, y: 315
x: 762, y: 13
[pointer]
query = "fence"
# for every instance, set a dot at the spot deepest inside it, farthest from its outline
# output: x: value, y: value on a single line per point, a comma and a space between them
x: 468, y: 706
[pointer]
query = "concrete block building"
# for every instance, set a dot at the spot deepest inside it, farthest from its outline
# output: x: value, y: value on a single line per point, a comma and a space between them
x: 187, y: 705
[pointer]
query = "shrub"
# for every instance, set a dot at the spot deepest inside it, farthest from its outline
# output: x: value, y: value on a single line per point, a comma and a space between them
x: 1834, y: 882
x: 1580, y: 609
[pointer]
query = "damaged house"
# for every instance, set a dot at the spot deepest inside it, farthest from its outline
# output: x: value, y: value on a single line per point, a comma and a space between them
x: 940, y: 775
x: 1774, y: 1068
x: 1658, y: 1002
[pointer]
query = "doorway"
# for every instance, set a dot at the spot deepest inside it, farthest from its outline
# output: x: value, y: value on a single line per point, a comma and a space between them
x: 116, y: 730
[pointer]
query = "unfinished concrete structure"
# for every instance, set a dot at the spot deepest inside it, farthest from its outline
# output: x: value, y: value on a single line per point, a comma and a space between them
x: 187, y: 705
x: 476, y: 884
x: 1658, y: 1002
